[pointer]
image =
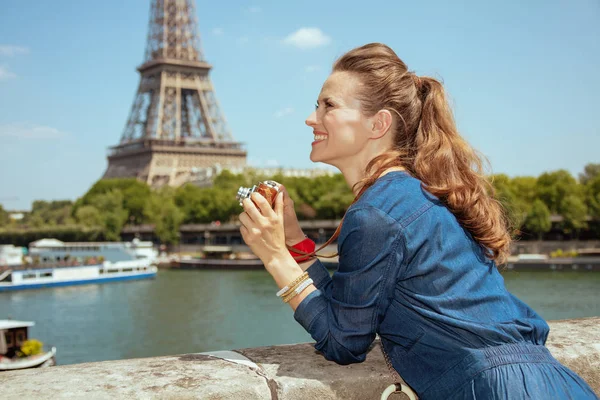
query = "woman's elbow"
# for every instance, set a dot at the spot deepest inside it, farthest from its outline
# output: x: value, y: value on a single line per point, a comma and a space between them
x: 334, y: 351
x: 344, y: 358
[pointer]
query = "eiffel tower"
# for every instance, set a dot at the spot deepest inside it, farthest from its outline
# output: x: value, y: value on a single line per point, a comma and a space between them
x: 176, y: 132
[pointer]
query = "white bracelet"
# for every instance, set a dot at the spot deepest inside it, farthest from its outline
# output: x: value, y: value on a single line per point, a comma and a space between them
x: 282, y: 291
x: 285, y: 289
x: 302, y: 286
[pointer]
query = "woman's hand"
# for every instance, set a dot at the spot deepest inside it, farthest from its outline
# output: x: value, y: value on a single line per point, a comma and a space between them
x: 293, y: 232
x: 263, y: 229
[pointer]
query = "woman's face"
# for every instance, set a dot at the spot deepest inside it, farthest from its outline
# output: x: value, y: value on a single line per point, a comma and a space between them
x: 340, y: 128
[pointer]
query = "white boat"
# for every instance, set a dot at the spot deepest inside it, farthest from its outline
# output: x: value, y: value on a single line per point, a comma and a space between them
x: 56, y: 263
x: 12, y: 336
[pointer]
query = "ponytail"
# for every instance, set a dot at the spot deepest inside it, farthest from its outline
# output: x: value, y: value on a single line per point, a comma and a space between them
x: 452, y: 170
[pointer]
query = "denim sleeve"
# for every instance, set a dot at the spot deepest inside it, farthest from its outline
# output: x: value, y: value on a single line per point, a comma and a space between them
x: 343, y: 315
x: 320, y: 276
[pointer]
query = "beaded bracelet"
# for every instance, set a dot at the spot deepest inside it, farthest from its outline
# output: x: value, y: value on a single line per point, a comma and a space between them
x: 298, y: 290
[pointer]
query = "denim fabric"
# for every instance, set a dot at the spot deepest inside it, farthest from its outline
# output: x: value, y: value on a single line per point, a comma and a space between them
x: 409, y: 272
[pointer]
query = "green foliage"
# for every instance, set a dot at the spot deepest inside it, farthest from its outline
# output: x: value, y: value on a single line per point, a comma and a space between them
x: 592, y: 194
x: 590, y: 172
x: 165, y: 215
x: 554, y: 187
x: 114, y: 216
x: 574, y: 212
x: 538, y: 218
x: 135, y: 194
x: 525, y: 189
x: 67, y: 233
x: 101, y: 213
x: 559, y: 253
x: 506, y: 193
x: 4, y: 219
x: 30, y: 347
x: 89, y: 216
x: 322, y: 197
x: 564, y: 196
x: 49, y: 213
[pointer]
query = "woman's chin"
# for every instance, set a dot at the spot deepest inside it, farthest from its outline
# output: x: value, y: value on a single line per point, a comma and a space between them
x: 316, y: 157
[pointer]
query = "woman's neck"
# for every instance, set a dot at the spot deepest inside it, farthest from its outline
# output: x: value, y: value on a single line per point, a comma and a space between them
x: 353, y: 176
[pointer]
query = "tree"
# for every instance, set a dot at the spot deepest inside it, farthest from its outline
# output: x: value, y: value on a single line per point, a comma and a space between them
x: 165, y: 215
x: 574, y: 213
x: 4, y: 218
x: 89, y: 216
x: 538, y: 219
x: 592, y: 193
x: 227, y: 180
x: 554, y: 187
x: 525, y: 189
x: 590, y: 172
x: 333, y: 205
x: 110, y: 206
x: 135, y: 201
x: 135, y: 196
x: 505, y: 193
x: 49, y: 213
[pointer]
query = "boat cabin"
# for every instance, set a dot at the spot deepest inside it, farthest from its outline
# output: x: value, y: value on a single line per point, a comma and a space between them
x: 12, y: 336
x: 52, y: 250
x: 10, y: 255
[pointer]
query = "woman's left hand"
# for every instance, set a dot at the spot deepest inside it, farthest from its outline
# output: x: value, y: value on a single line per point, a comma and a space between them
x: 262, y: 228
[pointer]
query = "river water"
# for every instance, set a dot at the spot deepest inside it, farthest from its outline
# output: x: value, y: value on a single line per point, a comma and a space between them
x: 198, y: 311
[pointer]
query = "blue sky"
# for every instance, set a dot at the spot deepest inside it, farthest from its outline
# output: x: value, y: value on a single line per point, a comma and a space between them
x: 523, y: 78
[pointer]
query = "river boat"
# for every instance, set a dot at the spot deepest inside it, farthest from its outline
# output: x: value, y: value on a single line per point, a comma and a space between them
x: 52, y: 262
x: 13, y: 334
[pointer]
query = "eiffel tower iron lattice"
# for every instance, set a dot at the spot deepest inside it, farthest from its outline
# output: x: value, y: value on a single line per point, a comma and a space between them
x: 175, y: 132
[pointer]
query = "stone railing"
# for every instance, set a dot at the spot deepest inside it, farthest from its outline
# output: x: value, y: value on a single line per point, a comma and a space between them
x: 276, y: 372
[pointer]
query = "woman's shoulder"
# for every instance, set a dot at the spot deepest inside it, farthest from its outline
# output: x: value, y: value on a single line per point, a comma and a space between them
x: 399, y: 195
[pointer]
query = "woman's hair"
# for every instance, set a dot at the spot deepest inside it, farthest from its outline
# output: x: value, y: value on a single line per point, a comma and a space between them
x: 427, y: 143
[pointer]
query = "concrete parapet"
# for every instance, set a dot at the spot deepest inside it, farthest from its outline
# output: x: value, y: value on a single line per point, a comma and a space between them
x: 290, y: 372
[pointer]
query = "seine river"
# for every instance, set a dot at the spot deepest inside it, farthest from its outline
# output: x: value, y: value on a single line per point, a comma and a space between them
x: 198, y: 311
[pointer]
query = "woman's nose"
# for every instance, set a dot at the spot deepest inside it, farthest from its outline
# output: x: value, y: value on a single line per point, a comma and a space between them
x: 312, y: 119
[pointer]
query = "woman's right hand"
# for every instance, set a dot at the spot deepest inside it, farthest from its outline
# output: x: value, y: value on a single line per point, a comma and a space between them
x: 293, y: 232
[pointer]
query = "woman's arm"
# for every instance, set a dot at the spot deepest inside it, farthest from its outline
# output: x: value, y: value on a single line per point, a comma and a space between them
x: 371, y: 252
x: 344, y: 321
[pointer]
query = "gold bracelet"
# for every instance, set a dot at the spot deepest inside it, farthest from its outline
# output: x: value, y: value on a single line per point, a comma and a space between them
x: 288, y: 298
x: 289, y: 286
x: 295, y: 285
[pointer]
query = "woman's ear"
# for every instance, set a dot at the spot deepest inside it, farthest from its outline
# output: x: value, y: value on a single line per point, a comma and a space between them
x: 381, y: 123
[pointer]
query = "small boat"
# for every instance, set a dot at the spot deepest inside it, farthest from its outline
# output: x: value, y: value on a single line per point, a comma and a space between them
x: 54, y: 263
x: 13, y: 334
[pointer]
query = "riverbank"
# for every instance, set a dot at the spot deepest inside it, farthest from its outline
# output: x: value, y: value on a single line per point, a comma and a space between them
x: 588, y: 264
x: 288, y: 372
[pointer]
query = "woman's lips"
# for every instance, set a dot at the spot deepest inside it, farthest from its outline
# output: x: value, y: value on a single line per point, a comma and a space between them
x: 318, y: 133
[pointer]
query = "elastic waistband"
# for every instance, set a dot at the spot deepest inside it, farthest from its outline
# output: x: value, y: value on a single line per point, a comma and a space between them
x: 485, y: 358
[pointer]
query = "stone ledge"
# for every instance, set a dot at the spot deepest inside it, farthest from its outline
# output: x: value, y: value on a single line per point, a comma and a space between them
x: 290, y: 372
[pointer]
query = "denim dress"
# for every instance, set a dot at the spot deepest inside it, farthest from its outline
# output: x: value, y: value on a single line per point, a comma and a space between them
x: 409, y: 272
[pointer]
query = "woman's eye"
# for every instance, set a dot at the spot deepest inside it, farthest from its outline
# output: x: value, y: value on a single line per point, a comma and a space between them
x: 316, y: 106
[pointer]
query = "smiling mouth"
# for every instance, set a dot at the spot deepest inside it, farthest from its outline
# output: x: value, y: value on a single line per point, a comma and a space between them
x: 320, y: 136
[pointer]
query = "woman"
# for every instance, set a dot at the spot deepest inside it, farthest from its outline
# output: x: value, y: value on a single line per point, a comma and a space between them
x: 418, y: 248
